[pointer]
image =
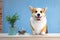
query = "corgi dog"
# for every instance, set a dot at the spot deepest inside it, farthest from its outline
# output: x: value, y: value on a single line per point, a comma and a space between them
x: 38, y: 20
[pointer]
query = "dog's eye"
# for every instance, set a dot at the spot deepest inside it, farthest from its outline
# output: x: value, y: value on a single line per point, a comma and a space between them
x: 35, y: 11
x: 40, y: 11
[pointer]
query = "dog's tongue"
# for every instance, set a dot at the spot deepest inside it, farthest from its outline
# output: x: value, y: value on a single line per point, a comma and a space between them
x: 38, y: 19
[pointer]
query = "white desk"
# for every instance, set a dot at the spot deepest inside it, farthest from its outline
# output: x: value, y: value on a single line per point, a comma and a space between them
x: 5, y: 36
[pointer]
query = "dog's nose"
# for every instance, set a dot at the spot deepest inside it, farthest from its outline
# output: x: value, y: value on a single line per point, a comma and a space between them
x: 38, y: 14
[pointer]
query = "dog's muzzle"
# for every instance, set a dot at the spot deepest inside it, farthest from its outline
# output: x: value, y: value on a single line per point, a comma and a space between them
x: 38, y: 15
x: 38, y: 18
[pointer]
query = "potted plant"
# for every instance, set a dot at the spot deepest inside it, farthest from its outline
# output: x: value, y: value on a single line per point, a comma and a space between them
x: 11, y: 21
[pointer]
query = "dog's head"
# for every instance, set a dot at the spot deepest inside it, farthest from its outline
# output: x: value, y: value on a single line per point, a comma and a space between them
x: 38, y: 13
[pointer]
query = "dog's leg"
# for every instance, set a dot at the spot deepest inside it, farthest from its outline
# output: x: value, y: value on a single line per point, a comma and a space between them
x: 43, y: 31
x: 33, y: 30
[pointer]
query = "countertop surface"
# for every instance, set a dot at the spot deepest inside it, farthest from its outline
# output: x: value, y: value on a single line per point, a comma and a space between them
x: 29, y: 35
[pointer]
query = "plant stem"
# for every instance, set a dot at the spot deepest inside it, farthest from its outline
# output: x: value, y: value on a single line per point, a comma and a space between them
x: 12, y: 25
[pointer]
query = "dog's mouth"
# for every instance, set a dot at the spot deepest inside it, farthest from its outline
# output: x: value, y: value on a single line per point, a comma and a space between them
x: 38, y: 18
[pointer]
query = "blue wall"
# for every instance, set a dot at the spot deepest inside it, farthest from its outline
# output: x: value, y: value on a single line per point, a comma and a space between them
x: 22, y: 8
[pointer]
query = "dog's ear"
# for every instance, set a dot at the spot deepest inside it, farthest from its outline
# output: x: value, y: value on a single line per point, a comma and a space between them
x: 31, y: 8
x: 45, y: 9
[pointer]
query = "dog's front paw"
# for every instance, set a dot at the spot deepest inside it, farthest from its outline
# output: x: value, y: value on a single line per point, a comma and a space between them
x: 43, y: 33
x: 33, y: 33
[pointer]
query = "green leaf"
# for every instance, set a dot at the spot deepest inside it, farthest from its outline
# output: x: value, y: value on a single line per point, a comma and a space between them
x: 12, y: 19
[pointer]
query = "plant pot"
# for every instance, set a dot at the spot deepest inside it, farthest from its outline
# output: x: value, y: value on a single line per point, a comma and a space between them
x: 12, y: 31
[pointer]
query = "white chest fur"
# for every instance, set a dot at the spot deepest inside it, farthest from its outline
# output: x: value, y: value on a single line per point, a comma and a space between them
x: 38, y: 25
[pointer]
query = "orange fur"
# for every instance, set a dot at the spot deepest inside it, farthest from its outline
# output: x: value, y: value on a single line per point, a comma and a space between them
x: 43, y: 29
x: 32, y: 27
x: 35, y: 9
